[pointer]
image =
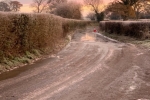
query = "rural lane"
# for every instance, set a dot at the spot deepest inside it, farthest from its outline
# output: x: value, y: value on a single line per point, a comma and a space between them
x: 90, y: 67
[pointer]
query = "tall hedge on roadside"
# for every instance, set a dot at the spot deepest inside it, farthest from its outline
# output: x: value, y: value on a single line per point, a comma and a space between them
x: 137, y: 29
x: 24, y: 32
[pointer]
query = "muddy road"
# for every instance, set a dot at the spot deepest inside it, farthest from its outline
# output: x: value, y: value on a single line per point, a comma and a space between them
x: 90, y: 67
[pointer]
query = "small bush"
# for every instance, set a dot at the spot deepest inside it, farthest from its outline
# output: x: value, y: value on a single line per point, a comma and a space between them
x: 91, y: 16
x: 36, y: 52
x: 137, y: 29
x: 69, y: 10
x: 100, y: 16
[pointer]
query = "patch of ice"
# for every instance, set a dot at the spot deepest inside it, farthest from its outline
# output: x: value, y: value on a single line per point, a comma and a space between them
x: 58, y: 57
x: 134, y: 84
x: 53, y: 56
x: 140, y: 54
x: 89, y: 37
x: 131, y: 88
x: 148, y: 84
x: 136, y: 67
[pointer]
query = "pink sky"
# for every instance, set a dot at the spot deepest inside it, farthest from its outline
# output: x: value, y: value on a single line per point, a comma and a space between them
x: 27, y: 8
x: 30, y: 1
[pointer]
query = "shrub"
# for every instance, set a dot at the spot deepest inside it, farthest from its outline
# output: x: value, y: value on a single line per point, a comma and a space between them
x: 69, y: 10
x: 100, y: 16
x: 91, y: 16
x: 114, y: 16
x: 137, y: 29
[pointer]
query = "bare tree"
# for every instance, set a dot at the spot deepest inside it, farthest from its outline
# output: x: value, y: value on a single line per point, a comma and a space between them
x: 15, y: 6
x: 39, y: 6
x: 95, y: 5
x: 54, y: 3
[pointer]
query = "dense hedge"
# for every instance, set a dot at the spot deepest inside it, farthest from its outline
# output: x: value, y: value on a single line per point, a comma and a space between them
x: 137, y: 29
x: 25, y: 32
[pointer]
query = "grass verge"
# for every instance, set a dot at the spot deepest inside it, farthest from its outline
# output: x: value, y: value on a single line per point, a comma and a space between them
x: 11, y: 63
x: 126, y: 39
x: 28, y: 58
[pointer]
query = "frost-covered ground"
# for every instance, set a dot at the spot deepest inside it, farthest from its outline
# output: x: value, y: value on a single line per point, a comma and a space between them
x: 90, y: 67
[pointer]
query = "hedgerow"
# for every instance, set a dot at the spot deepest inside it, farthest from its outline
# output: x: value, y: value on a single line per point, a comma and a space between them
x: 21, y: 33
x: 137, y: 29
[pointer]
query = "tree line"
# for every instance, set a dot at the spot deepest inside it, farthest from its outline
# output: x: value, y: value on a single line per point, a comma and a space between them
x: 129, y: 9
x: 118, y: 9
x: 61, y: 8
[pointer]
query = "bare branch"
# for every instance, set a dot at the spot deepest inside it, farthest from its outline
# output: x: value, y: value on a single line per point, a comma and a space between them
x: 39, y: 5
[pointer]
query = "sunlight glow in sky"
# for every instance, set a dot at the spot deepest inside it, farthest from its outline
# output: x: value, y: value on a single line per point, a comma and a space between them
x: 27, y: 9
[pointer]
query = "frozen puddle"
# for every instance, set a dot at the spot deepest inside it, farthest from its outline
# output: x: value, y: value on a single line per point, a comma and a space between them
x: 89, y: 37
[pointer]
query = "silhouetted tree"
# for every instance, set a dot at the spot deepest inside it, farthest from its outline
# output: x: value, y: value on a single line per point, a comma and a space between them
x: 100, y: 16
x: 15, y: 6
x: 4, y: 6
x: 95, y: 4
x: 39, y: 5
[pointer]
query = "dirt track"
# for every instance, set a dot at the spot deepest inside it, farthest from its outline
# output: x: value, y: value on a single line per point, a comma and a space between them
x: 89, y: 68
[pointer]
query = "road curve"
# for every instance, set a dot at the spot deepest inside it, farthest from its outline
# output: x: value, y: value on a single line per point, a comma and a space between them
x: 90, y: 67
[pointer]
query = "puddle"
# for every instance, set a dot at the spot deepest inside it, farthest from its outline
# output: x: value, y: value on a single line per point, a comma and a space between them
x: 89, y: 37
x: 18, y: 71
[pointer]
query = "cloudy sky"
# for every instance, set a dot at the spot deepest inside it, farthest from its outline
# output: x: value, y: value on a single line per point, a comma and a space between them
x: 27, y: 8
